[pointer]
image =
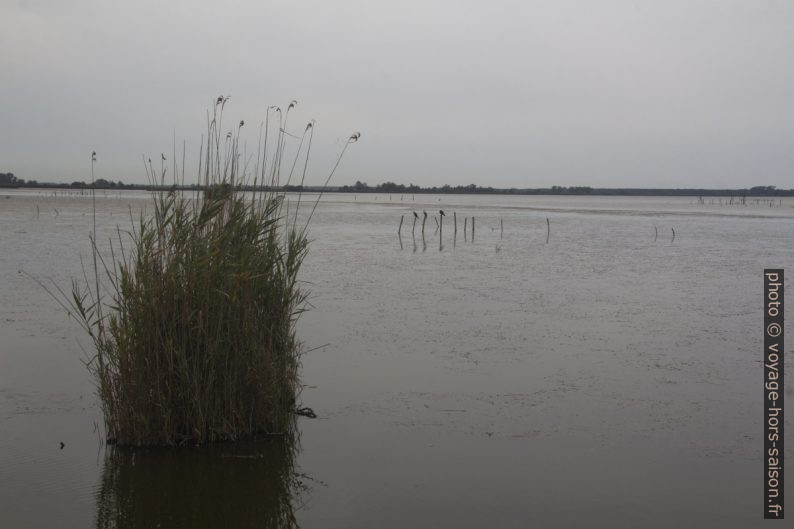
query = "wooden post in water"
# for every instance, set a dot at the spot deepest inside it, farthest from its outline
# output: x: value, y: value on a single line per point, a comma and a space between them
x: 501, y: 228
x: 440, y: 231
x: 455, y: 221
x: 472, y: 228
x: 424, y: 219
x: 655, y: 233
x: 401, y: 224
x: 673, y: 239
x: 548, y: 230
x: 465, y: 225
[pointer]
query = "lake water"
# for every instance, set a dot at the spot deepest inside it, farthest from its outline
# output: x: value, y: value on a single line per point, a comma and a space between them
x: 610, y: 377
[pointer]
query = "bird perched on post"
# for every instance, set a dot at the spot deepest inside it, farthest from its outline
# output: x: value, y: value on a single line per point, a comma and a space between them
x: 416, y: 215
x: 441, y: 212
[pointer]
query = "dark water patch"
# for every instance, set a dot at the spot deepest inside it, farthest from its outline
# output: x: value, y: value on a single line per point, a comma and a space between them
x: 249, y: 484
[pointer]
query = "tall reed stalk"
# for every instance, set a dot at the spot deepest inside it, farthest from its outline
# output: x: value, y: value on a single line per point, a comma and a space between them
x: 194, y: 320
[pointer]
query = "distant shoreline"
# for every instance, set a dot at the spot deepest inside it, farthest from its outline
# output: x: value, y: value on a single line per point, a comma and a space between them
x: 395, y: 189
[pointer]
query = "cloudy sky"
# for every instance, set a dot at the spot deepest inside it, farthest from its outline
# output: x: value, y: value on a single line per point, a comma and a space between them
x: 640, y: 93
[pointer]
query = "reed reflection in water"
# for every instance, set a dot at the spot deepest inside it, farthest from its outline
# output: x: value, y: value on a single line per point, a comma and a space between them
x: 251, y: 484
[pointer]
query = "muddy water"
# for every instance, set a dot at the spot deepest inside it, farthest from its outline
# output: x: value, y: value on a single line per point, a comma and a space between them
x: 602, y: 379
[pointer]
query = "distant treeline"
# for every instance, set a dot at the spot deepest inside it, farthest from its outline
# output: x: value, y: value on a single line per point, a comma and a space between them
x: 391, y: 187
x: 9, y: 180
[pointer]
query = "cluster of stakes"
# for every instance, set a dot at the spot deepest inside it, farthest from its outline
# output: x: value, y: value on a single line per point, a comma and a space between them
x: 439, y: 220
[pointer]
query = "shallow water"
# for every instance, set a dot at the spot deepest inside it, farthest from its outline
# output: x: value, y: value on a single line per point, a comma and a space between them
x: 602, y: 379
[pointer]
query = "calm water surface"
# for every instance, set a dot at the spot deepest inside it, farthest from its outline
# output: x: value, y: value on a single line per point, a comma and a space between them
x: 605, y: 379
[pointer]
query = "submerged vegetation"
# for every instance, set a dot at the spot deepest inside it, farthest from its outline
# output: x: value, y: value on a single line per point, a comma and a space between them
x: 195, y: 333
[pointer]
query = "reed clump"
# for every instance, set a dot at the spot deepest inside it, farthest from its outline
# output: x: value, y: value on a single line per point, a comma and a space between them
x: 195, y: 334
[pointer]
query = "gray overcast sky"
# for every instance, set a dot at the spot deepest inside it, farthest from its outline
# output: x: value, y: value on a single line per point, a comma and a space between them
x: 661, y: 93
